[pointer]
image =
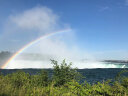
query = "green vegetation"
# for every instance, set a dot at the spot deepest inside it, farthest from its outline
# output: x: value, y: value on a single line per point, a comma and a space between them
x: 64, y: 82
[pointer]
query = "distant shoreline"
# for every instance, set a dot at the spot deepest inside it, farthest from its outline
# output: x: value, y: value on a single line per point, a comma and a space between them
x: 115, y: 61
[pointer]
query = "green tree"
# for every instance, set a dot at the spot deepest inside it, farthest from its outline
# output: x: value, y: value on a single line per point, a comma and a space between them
x: 63, y: 73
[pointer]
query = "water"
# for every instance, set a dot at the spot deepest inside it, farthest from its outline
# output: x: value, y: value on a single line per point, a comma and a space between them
x: 23, y: 63
x: 92, y: 75
x: 32, y: 60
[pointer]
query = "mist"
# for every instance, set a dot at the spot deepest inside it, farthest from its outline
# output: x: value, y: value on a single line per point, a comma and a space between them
x: 22, y: 28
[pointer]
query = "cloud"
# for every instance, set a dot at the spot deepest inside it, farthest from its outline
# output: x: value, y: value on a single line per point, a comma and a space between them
x: 39, y: 18
x: 28, y: 25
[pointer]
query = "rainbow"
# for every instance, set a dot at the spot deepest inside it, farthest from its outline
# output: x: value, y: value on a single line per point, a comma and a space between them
x: 32, y: 43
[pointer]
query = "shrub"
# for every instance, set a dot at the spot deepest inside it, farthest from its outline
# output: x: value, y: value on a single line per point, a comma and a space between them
x: 63, y: 73
x: 18, y: 79
x: 63, y: 83
x: 40, y: 79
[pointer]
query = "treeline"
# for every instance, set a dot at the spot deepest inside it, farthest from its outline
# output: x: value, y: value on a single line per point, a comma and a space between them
x: 64, y: 82
x: 4, y: 56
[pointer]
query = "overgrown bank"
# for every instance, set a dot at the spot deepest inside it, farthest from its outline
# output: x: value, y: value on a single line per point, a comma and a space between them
x: 64, y: 82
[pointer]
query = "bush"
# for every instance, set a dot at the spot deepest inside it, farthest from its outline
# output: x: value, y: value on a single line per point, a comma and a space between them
x: 18, y: 79
x: 63, y: 73
x: 63, y: 83
x: 40, y: 79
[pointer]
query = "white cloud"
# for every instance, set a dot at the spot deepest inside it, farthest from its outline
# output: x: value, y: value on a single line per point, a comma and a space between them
x: 39, y: 18
x: 30, y: 24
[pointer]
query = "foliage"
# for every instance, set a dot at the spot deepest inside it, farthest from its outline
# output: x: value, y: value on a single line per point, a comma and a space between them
x: 63, y: 73
x: 118, y: 76
x: 24, y: 84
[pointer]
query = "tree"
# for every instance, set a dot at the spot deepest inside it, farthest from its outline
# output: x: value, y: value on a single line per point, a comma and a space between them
x: 63, y: 73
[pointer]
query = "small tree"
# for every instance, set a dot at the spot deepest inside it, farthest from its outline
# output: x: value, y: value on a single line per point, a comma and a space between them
x: 63, y: 73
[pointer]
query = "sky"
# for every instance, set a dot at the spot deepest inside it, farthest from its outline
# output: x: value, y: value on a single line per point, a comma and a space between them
x: 99, y: 27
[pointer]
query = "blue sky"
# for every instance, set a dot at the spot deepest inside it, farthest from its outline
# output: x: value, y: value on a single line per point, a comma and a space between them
x: 101, y: 26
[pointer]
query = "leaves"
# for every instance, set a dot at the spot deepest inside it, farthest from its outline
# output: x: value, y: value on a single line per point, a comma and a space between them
x: 63, y: 73
x: 65, y: 79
